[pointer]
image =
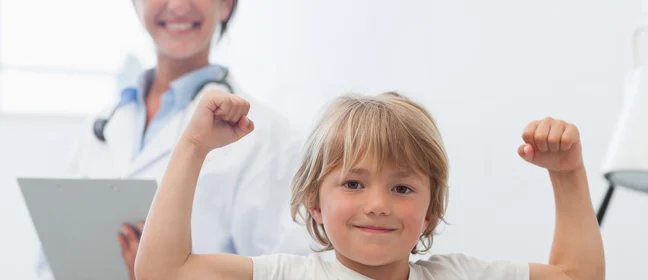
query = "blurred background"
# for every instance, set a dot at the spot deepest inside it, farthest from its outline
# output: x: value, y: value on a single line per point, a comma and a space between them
x: 483, y: 68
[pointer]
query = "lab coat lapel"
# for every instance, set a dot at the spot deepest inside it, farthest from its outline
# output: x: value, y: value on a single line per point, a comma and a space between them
x: 160, y: 146
x: 119, y: 133
x: 164, y: 142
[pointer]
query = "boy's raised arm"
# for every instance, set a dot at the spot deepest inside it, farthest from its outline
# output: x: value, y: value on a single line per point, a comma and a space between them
x: 577, y: 250
x: 165, y: 248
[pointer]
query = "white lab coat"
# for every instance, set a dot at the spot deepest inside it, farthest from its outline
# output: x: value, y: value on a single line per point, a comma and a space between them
x: 242, y: 198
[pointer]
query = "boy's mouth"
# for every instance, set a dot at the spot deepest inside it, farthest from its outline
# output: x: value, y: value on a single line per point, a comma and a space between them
x: 375, y: 229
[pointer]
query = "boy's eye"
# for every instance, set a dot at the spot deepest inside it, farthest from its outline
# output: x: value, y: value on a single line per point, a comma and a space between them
x: 402, y: 189
x: 353, y: 185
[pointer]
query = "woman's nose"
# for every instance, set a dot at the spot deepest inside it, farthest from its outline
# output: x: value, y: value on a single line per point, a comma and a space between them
x: 179, y: 7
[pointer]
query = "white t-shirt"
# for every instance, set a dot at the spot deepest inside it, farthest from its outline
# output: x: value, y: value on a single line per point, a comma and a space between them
x: 438, y: 267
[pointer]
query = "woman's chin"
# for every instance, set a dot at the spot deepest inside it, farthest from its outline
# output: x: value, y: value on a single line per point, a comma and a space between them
x: 180, y: 51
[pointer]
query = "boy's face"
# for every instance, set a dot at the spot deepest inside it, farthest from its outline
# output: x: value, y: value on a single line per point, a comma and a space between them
x: 182, y: 28
x: 373, y: 217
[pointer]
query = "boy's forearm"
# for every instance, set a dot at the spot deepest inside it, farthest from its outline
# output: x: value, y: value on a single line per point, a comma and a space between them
x: 577, y: 246
x: 166, y: 240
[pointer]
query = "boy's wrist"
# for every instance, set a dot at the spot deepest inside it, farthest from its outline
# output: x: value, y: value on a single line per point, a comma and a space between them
x: 568, y: 173
x: 569, y: 180
x: 193, y: 148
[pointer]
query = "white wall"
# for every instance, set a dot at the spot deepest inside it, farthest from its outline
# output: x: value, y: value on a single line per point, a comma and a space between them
x: 483, y: 68
x: 29, y: 146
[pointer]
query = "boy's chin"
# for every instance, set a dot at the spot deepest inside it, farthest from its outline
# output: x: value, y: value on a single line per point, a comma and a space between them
x: 377, y: 256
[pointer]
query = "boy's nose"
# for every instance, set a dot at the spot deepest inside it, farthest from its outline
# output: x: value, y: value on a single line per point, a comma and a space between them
x: 378, y: 203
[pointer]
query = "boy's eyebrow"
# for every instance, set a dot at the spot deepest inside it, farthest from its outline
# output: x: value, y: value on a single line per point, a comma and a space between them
x: 359, y: 171
x: 402, y: 174
x: 399, y: 174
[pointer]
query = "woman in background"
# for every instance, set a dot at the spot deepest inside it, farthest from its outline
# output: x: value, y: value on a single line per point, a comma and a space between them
x: 243, y: 190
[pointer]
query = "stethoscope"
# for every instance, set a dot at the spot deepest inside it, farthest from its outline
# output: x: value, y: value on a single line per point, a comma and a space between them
x: 100, y: 123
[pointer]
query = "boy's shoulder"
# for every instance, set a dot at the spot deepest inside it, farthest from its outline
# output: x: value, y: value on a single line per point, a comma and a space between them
x: 462, y: 266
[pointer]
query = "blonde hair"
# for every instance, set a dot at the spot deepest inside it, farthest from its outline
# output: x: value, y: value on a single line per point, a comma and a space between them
x: 391, y: 128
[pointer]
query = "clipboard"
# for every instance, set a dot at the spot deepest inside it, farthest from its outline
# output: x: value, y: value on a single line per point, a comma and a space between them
x: 78, y: 220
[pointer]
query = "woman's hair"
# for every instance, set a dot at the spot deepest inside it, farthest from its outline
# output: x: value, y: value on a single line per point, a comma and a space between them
x: 227, y: 20
x: 391, y: 128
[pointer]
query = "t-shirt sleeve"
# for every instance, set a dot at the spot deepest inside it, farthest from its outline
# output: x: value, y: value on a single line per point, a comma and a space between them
x: 280, y: 266
x: 460, y: 266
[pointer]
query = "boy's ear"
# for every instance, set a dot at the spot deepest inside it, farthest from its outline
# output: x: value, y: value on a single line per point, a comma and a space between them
x: 426, y: 222
x: 314, y: 209
x: 316, y: 213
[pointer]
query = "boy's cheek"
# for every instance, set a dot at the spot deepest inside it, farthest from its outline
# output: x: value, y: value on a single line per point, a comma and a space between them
x: 413, y: 218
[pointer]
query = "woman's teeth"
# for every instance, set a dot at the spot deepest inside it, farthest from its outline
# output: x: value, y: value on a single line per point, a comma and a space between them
x: 179, y: 26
